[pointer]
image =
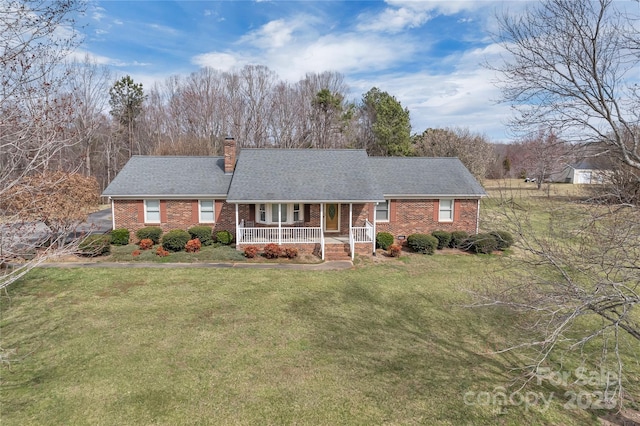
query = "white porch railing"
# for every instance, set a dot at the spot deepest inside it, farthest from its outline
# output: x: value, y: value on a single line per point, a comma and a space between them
x: 360, y: 234
x: 282, y: 235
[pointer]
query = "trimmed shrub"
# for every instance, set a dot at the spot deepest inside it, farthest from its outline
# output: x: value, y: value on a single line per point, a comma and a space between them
x: 291, y: 252
x: 175, y: 240
x: 482, y: 243
x: 458, y: 238
x: 202, y: 233
x: 422, y: 243
x: 120, y: 237
x: 384, y: 240
x: 161, y: 252
x: 224, y: 237
x: 193, y: 246
x: 504, y: 239
x: 250, y: 252
x: 145, y: 244
x: 95, y: 245
x: 395, y: 250
x: 272, y: 251
x: 151, y: 232
x: 444, y: 238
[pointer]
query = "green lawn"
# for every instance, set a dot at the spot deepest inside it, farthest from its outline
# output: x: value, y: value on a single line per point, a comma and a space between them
x: 386, y: 343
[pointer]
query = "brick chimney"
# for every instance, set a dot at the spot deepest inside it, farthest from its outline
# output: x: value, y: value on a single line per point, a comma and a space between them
x: 229, y: 154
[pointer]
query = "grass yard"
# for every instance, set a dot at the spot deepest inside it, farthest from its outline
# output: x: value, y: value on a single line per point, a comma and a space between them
x: 386, y: 343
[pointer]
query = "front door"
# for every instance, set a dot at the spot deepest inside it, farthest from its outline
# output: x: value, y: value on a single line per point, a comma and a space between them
x: 332, y: 217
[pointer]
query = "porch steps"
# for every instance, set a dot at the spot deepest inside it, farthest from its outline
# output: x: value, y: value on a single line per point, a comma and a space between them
x: 339, y: 251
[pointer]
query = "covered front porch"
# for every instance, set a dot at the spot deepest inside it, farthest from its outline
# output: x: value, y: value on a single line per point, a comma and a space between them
x: 320, y: 224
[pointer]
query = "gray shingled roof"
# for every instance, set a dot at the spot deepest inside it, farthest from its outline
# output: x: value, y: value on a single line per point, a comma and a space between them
x: 424, y: 176
x: 170, y: 176
x: 305, y: 175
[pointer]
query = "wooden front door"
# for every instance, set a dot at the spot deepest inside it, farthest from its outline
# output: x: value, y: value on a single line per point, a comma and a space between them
x: 332, y: 217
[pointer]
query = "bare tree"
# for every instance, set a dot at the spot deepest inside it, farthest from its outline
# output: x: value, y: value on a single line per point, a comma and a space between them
x: 473, y: 150
x: 36, y: 114
x: 576, y: 284
x: 570, y: 66
x: 544, y: 155
x: 89, y: 85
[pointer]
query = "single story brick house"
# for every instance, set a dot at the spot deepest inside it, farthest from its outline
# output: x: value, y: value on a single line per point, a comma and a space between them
x: 329, y: 202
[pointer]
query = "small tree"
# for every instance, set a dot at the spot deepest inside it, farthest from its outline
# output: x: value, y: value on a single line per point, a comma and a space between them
x: 60, y: 200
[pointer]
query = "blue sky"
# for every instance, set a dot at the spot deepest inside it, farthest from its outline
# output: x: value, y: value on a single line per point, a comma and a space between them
x: 427, y: 54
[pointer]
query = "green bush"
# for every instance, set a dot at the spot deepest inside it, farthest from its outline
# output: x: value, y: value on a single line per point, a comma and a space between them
x: 120, y: 237
x: 444, y: 238
x: 95, y: 245
x: 482, y: 243
x: 458, y: 238
x: 384, y: 240
x: 152, y: 233
x: 175, y: 240
x: 504, y: 239
x: 224, y: 237
x: 422, y: 243
x: 203, y: 233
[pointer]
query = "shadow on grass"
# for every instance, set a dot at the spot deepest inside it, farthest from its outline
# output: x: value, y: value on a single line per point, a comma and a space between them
x: 411, y: 347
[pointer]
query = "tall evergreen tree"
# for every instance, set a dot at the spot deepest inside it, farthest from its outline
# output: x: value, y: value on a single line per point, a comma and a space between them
x: 387, y: 124
x: 126, y: 99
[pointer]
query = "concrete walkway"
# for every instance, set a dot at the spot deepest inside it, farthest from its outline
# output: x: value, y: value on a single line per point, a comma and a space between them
x: 334, y: 265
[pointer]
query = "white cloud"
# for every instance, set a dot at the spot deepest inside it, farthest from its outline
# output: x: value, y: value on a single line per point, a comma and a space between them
x: 465, y: 97
x: 118, y: 22
x: 219, y: 60
x: 394, y: 20
x: 272, y: 35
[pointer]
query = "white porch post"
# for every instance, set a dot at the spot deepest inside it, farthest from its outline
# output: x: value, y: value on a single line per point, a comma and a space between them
x: 351, y: 244
x: 237, y: 223
x: 373, y: 237
x: 322, y: 230
x: 279, y: 224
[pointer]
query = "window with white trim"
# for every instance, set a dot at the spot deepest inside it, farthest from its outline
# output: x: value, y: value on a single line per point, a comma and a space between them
x: 283, y: 213
x: 382, y: 212
x: 289, y: 213
x: 151, y: 211
x: 446, y: 211
x: 207, y: 211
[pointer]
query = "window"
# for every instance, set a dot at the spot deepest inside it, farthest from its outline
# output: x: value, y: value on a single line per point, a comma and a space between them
x: 207, y: 213
x: 274, y: 213
x: 289, y: 213
x: 446, y: 211
x: 382, y: 212
x: 151, y: 211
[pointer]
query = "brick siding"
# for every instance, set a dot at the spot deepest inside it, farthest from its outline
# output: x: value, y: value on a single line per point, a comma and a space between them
x: 406, y: 217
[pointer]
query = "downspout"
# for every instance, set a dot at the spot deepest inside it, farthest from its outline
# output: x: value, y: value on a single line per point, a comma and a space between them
x: 478, y: 217
x: 113, y: 214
